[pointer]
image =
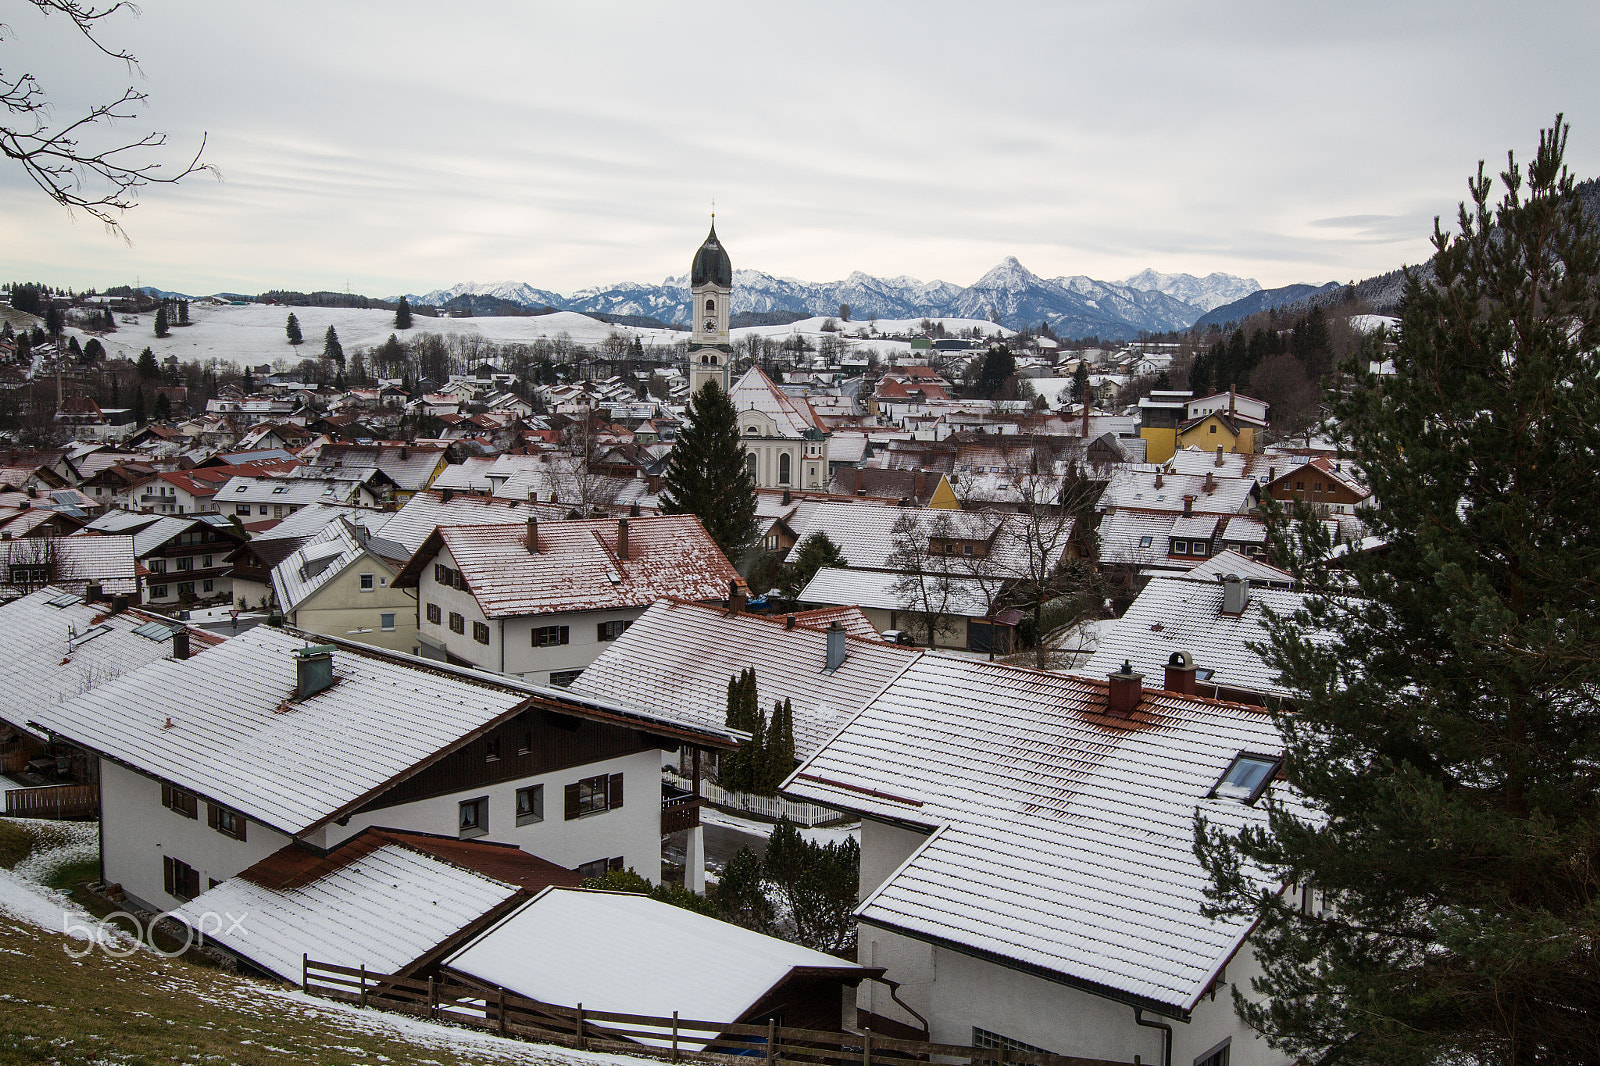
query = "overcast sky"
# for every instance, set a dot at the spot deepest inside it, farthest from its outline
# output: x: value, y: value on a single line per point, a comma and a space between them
x: 400, y: 147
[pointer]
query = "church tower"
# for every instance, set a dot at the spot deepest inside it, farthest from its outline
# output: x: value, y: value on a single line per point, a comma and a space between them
x: 710, y: 293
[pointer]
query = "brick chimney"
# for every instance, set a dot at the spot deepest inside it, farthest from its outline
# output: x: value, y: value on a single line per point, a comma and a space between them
x: 1180, y: 673
x: 919, y: 481
x: 445, y: 494
x: 622, y: 538
x: 1127, y: 691
x: 633, y: 509
x: 1211, y: 482
x: 788, y: 621
x: 1233, y: 400
x: 736, y: 598
x: 1219, y: 455
x: 93, y: 592
x: 1188, y: 506
x: 533, y: 534
x: 787, y: 499
x: 861, y: 482
x: 1158, y: 479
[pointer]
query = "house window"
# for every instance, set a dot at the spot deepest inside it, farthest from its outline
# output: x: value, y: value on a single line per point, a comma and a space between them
x: 458, y: 624
x: 366, y: 583
x: 783, y: 469
x: 179, y: 801
x: 186, y: 563
x: 612, y: 630
x: 228, y: 823
x: 1299, y: 485
x: 185, y: 588
x: 530, y: 804
x: 473, y: 819
x: 491, y: 749
x: 1247, y: 778
x: 157, y: 566
x: 206, y: 586
x: 599, y: 867
x: 1212, y: 429
x: 386, y: 621
x: 1144, y: 542
x: 179, y: 878
x: 564, y: 678
x: 480, y: 632
x: 1180, y: 547
x: 158, y: 591
x: 205, y: 563
x: 433, y: 613
x: 527, y: 742
x: 550, y: 636
x: 1200, y: 547
x: 593, y: 795
x: 1217, y: 1056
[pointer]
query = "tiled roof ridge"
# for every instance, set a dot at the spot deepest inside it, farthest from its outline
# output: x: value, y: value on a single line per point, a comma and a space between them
x: 778, y: 619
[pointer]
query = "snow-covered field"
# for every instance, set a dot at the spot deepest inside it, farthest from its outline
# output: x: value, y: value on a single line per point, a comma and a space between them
x: 22, y: 892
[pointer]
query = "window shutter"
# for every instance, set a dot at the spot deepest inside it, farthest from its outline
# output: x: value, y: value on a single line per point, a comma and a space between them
x: 166, y: 873
x: 565, y: 630
x: 166, y: 796
x: 211, y: 815
x: 572, y: 801
x: 238, y: 827
x: 614, y: 800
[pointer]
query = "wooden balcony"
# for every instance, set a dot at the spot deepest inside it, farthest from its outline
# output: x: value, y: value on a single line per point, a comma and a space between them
x: 680, y: 813
x: 54, y: 801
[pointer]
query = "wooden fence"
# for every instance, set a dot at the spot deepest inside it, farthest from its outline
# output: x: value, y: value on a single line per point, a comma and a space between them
x: 675, y: 1039
x: 54, y: 801
x: 804, y: 815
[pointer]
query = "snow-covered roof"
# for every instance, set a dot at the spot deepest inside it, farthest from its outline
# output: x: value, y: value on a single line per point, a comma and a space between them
x: 1063, y: 834
x: 1231, y: 562
x: 383, y: 909
x: 427, y: 511
x: 295, y: 491
x: 681, y: 655
x: 288, y: 765
x: 610, y: 951
x: 755, y: 391
x: 962, y: 597
x: 75, y: 562
x: 865, y: 534
x: 577, y: 566
x: 58, y: 647
x: 1132, y: 486
x: 327, y: 555
x: 1178, y: 614
x: 310, y: 520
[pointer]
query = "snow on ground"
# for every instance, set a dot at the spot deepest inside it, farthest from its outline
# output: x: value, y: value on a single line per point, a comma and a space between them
x: 1372, y: 323
x: 23, y: 896
x: 834, y: 835
x: 6, y: 784
x: 1079, y: 643
x: 255, y: 334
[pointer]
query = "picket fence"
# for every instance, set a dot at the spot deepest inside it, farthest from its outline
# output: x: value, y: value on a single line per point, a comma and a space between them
x: 805, y: 815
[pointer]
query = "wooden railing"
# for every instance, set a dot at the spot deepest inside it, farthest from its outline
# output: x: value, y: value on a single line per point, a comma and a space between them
x: 728, y: 1043
x: 680, y: 813
x: 54, y: 801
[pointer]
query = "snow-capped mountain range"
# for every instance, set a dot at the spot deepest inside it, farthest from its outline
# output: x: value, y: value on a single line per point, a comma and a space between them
x: 1076, y: 306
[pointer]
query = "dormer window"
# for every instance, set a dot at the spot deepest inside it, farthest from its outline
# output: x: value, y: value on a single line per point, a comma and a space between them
x: 1248, y: 777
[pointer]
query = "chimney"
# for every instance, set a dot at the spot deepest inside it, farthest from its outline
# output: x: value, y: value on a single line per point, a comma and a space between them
x: 787, y: 499
x: 735, y: 597
x: 1180, y: 673
x: 1233, y: 404
x: 788, y: 621
x: 919, y: 481
x: 313, y: 669
x: 119, y: 604
x: 445, y: 494
x: 1272, y: 474
x: 533, y: 495
x: 1219, y: 455
x: 1235, y: 594
x: 1211, y: 482
x: 93, y: 592
x: 861, y: 482
x: 180, y: 644
x: 1127, y: 691
x: 633, y: 509
x: 1158, y: 479
x: 533, y: 535
x: 1085, y: 414
x: 622, y: 538
x: 33, y: 492
x: 837, y: 649
x: 1188, y: 506
x: 405, y: 453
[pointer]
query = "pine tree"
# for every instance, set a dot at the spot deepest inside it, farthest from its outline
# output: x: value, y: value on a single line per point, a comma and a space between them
x: 248, y: 384
x: 402, y: 314
x: 146, y: 366
x: 331, y: 348
x: 54, y: 322
x: 1445, y: 737
x: 162, y: 329
x: 1080, y: 383
x: 779, y: 753
x: 183, y: 312
x: 740, y: 896
x: 292, y: 328
x: 139, y: 418
x: 708, y: 473
x: 814, y: 553
x: 998, y: 366
x: 162, y: 410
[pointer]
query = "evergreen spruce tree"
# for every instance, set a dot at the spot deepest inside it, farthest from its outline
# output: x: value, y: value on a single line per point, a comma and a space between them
x: 162, y: 409
x: 331, y: 348
x: 402, y: 314
x: 998, y: 366
x: 813, y: 553
x: 292, y: 328
x: 779, y: 754
x: 1446, y: 738
x: 139, y: 418
x: 708, y: 473
x: 162, y: 329
x: 1080, y: 383
x: 146, y: 366
x: 248, y: 384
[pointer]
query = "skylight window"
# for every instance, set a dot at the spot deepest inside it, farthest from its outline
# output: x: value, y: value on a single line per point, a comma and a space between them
x: 157, y: 630
x: 1248, y: 777
x: 65, y: 600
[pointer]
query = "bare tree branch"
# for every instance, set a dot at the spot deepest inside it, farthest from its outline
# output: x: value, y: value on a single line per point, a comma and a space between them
x: 102, y: 182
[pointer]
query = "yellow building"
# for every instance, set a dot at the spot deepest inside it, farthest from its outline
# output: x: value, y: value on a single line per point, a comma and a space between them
x: 1218, y: 429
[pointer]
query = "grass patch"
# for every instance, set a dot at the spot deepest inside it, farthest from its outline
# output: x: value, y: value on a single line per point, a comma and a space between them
x: 73, y: 875
x: 144, y: 1010
x: 16, y: 843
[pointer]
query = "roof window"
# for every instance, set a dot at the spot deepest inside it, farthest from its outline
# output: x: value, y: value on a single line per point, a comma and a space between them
x: 66, y: 599
x: 1248, y: 777
x: 161, y: 631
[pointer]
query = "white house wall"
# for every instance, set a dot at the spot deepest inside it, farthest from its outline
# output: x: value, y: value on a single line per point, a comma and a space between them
x: 633, y: 832
x: 137, y: 831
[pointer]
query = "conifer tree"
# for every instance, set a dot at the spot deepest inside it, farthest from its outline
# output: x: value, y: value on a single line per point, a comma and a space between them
x: 708, y: 473
x: 248, y: 384
x: 402, y: 314
x: 147, y: 366
x: 779, y: 754
x: 139, y: 418
x: 1445, y: 733
x: 331, y: 348
x: 292, y: 328
x: 815, y: 552
x: 162, y: 409
x: 162, y: 329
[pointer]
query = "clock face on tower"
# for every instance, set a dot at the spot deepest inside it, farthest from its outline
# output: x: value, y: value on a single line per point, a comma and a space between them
x: 711, y: 325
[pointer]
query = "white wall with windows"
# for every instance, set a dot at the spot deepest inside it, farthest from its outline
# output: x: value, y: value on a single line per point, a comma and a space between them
x: 618, y: 815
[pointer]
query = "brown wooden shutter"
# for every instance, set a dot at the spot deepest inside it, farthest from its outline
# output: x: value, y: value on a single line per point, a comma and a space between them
x: 166, y: 797
x: 211, y: 815
x: 166, y: 873
x: 614, y: 799
x: 572, y: 801
x: 238, y: 823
